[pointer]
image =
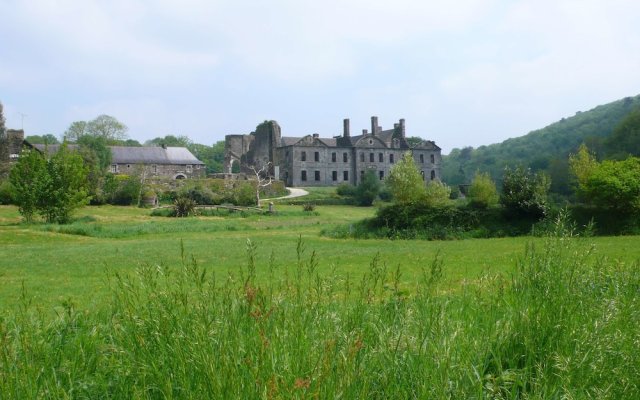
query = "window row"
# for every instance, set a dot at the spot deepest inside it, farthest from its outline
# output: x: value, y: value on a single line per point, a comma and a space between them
x: 372, y: 157
x: 316, y: 175
x: 431, y: 156
x: 316, y: 156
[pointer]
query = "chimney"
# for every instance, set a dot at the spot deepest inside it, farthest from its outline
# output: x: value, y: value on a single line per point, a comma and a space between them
x: 315, y: 135
x: 374, y: 125
x: 364, y: 132
x: 345, y: 130
x: 402, y: 128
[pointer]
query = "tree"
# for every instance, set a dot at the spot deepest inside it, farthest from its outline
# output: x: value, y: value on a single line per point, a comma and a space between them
x: 437, y: 194
x: 53, y: 188
x: 27, y: 177
x: 414, y: 141
x: 405, y: 182
x: 625, y: 138
x: 97, y: 157
x: 212, y: 156
x: 75, y: 131
x: 582, y: 165
x: 105, y: 126
x: 44, y: 139
x: 64, y: 187
x: 525, y: 193
x: 262, y: 180
x: 615, y: 185
x: 368, y: 189
x: 170, y: 141
x: 482, y: 193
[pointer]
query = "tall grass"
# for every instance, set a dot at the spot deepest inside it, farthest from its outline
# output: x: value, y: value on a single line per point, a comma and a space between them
x: 564, y: 325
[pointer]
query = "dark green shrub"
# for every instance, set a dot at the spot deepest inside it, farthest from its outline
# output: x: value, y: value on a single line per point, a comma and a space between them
x: 367, y: 190
x: 184, y: 207
x: 244, y: 194
x: 345, y: 189
x: 6, y: 192
x: 308, y: 207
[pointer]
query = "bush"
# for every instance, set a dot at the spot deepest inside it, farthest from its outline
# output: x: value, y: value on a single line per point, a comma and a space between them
x: 482, y: 192
x: 244, y: 194
x: 367, y: 191
x: 184, y: 207
x: 6, y: 192
x: 308, y: 207
x: 345, y: 189
x: 122, y: 190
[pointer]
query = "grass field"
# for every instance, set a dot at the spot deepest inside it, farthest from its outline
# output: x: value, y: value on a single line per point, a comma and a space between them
x: 120, y: 304
x: 71, y: 262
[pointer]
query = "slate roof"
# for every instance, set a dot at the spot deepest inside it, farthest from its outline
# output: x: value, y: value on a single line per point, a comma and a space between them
x: 139, y: 155
x: 152, y: 155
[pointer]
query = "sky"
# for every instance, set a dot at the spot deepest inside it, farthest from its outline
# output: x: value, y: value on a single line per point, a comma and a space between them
x: 461, y: 73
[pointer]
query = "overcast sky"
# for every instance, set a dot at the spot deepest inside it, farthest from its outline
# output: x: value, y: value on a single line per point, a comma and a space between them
x: 464, y: 72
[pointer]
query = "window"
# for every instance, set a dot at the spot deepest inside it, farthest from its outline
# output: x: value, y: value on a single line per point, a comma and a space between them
x: 361, y: 175
x: 371, y: 158
x: 114, y: 168
x: 333, y: 157
x: 433, y: 159
x: 433, y: 175
x: 189, y: 168
x: 303, y: 156
x: 361, y: 157
x: 334, y: 175
x: 316, y: 156
x: 380, y: 157
x: 422, y: 158
x: 286, y: 153
x: 303, y: 175
x: 286, y: 175
x: 381, y: 174
x: 345, y: 157
x: 317, y: 175
x: 345, y: 175
x: 128, y: 166
x: 422, y: 173
x: 154, y: 168
x: 390, y: 158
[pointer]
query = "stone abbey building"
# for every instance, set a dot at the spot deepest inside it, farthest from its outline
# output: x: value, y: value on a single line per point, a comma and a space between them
x: 314, y: 161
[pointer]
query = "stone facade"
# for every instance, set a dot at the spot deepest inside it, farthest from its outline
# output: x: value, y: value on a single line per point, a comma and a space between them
x: 315, y: 161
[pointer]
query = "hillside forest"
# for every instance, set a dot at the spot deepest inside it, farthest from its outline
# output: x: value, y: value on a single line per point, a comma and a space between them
x: 610, y: 132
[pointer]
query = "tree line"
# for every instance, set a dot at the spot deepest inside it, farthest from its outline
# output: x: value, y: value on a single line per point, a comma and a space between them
x: 106, y: 130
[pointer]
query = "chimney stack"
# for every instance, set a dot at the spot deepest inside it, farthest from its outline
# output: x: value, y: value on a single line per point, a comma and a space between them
x: 364, y: 131
x: 374, y: 125
x: 345, y: 131
x: 402, y: 128
x: 315, y: 135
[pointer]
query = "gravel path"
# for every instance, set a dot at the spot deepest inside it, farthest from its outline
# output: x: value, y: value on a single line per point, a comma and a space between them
x: 293, y: 192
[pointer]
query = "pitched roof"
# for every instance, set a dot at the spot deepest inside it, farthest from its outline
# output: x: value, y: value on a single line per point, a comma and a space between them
x: 152, y: 155
x: 139, y: 155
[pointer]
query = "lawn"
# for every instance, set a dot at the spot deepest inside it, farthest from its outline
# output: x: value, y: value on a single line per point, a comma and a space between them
x: 121, y: 304
x: 54, y: 264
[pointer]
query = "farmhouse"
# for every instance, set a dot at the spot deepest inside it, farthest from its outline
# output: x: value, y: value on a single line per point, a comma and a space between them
x: 314, y: 161
x: 167, y: 162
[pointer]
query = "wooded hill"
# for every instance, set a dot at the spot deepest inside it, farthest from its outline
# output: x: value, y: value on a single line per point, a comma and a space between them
x: 610, y: 131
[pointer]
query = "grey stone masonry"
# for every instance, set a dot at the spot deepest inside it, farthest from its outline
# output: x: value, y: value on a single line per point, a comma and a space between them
x: 315, y: 161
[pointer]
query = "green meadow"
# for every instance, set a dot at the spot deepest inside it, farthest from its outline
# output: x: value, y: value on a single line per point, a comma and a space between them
x: 60, y: 263
x: 122, y: 304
